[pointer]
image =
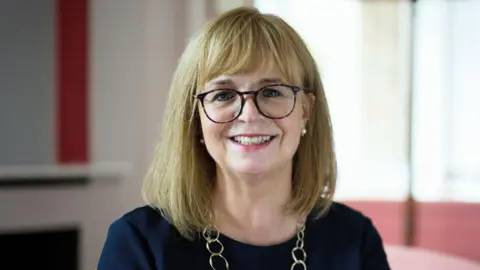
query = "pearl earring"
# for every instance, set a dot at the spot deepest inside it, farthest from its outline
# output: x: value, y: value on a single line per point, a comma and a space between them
x: 304, y: 131
x: 202, y: 141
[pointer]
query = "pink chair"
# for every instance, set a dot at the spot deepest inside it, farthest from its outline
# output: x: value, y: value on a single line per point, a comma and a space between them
x: 411, y: 258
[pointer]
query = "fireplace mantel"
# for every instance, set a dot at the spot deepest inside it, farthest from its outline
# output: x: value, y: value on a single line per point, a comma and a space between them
x: 61, y: 175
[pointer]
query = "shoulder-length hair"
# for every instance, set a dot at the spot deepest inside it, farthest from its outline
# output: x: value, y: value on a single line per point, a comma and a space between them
x: 181, y: 178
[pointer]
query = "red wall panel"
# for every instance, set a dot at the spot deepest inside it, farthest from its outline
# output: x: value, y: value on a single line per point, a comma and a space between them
x: 72, y: 81
x: 448, y: 227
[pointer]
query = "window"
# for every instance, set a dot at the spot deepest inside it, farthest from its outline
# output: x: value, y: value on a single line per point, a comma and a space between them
x: 447, y: 94
x: 362, y: 49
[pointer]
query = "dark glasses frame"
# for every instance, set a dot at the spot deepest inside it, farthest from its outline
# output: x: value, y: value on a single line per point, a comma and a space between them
x: 254, y: 93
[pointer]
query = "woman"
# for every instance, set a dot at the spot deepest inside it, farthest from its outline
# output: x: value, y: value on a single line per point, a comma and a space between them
x: 245, y: 173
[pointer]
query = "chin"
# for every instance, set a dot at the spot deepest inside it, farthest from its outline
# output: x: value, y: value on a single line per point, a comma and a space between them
x: 253, y: 168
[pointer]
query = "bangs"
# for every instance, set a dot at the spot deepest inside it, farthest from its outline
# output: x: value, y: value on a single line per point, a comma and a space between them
x: 236, y: 45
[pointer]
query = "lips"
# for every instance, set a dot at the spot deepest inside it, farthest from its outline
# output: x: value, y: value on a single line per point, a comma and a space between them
x: 251, y: 140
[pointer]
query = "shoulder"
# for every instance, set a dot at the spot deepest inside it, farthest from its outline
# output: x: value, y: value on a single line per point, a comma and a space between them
x: 143, y: 221
x: 129, y: 244
x: 351, y: 231
x: 144, y: 218
x: 346, y: 222
x: 341, y: 217
x: 346, y: 213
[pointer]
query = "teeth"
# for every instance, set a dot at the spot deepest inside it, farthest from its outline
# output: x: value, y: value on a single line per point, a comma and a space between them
x: 252, y: 140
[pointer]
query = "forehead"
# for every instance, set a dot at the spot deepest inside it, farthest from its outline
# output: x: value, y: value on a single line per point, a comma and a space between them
x: 250, y: 79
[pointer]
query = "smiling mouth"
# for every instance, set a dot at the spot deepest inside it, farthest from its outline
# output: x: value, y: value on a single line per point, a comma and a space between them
x: 252, y: 140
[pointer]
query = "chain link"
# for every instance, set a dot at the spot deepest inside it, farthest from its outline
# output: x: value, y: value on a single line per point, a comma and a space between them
x: 299, y: 248
x: 212, y: 238
x: 207, y: 234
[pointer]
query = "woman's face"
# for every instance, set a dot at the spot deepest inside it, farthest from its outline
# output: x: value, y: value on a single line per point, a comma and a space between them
x: 252, y: 143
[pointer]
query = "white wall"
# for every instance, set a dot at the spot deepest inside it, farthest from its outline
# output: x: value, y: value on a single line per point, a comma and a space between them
x: 134, y: 50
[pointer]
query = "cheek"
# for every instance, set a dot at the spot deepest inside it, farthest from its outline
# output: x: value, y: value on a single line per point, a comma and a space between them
x: 291, y: 132
x: 290, y: 136
x: 212, y: 133
x: 292, y: 125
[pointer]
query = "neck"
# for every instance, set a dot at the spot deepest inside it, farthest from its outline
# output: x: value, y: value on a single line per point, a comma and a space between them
x: 252, y: 208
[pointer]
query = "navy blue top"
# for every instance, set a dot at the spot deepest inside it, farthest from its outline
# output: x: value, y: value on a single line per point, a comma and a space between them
x: 343, y: 239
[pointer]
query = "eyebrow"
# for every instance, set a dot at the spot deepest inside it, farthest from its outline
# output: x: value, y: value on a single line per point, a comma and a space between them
x: 222, y: 82
x: 262, y: 81
x: 270, y: 80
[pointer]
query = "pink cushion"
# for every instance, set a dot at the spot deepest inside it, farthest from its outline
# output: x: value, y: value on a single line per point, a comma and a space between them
x: 402, y: 257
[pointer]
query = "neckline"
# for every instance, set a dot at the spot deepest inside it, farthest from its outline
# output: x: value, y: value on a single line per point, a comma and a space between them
x: 238, y: 244
x: 226, y: 240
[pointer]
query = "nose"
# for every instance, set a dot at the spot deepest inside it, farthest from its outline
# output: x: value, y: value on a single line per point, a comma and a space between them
x: 250, y: 111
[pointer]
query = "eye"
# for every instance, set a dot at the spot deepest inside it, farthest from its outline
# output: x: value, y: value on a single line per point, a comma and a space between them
x: 271, y: 92
x: 221, y: 95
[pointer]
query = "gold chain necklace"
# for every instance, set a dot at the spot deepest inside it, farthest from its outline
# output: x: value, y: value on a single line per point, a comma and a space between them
x: 212, y: 236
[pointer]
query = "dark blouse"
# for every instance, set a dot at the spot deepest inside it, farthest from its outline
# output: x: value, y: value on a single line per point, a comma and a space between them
x: 343, y: 239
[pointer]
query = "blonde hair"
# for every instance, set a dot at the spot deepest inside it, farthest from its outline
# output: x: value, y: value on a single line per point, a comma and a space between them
x: 181, y: 178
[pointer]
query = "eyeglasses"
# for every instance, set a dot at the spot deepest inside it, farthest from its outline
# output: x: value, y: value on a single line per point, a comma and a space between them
x: 274, y: 101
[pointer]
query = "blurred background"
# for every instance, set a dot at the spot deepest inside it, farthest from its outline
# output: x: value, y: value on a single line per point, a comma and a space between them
x: 83, y: 86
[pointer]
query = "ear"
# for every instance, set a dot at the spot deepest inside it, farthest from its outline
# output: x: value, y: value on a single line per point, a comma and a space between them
x: 308, y: 103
